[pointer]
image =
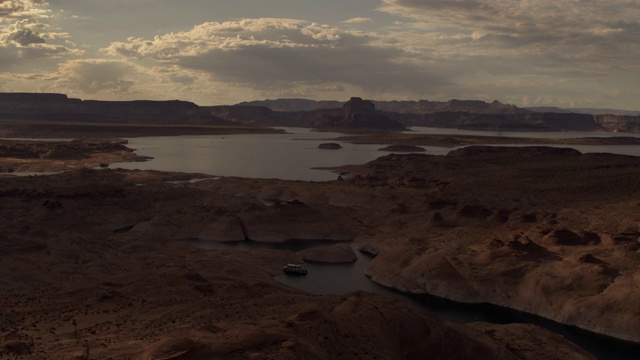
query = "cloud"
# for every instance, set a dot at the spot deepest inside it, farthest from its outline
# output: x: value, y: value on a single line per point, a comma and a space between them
x: 572, y: 29
x: 358, y: 20
x: 95, y: 75
x: 569, y: 51
x: 272, y: 54
x: 18, y: 9
x: 25, y: 37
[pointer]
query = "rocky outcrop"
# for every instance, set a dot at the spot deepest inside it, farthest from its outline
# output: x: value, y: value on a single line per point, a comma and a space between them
x: 340, y: 253
x: 619, y: 123
x: 193, y: 224
x: 48, y: 156
x: 362, y: 114
x: 330, y: 146
x: 296, y: 221
x: 356, y: 114
x: 535, y: 229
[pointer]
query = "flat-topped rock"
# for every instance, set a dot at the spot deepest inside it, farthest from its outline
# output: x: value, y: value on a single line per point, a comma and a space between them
x: 403, y: 148
x: 330, y: 146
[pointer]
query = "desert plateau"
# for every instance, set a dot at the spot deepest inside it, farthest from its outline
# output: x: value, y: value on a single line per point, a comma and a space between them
x: 101, y: 262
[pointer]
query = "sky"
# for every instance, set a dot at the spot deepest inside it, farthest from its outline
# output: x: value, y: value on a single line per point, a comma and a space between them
x: 566, y: 53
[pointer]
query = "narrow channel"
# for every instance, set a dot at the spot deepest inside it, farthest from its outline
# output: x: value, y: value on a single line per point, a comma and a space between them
x: 327, y: 279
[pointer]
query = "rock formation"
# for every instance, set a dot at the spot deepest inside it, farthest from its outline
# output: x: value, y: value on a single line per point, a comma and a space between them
x: 330, y: 146
x: 619, y: 123
x: 402, y: 148
x: 50, y: 156
x: 339, y: 253
x: 61, y: 108
x: 544, y: 230
x: 463, y: 114
x: 77, y: 284
x: 356, y: 114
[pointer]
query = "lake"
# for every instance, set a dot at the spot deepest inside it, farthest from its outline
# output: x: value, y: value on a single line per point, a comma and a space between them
x: 294, y: 155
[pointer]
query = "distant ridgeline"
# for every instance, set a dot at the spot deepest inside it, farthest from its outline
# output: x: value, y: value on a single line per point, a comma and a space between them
x: 59, y: 107
x: 355, y: 114
x: 460, y: 114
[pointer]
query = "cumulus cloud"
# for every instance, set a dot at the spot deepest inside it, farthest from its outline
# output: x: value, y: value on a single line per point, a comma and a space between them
x: 273, y: 54
x: 24, y: 36
x: 23, y: 8
x: 92, y: 76
x: 358, y: 20
x: 514, y: 48
x: 574, y: 30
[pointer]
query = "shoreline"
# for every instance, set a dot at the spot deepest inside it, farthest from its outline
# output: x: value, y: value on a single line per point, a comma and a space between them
x: 451, y: 141
x: 66, y: 129
x: 495, y: 225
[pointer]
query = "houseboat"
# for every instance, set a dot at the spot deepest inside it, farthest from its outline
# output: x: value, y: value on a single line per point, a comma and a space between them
x: 295, y: 269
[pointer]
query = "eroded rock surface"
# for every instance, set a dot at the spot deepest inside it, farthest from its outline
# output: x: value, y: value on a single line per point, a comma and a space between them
x: 339, y: 253
x: 74, y: 287
x: 544, y: 230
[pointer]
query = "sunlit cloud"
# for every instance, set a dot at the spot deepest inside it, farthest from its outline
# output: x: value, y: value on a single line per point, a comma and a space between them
x: 358, y: 20
x: 273, y: 54
x: 527, y: 52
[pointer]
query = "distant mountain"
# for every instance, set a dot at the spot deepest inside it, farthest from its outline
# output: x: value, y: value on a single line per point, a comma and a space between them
x: 551, y: 109
x: 590, y: 111
x: 355, y: 114
x: 605, y: 111
x: 59, y: 107
x: 294, y: 104
x: 401, y: 107
x: 459, y: 114
x: 470, y: 106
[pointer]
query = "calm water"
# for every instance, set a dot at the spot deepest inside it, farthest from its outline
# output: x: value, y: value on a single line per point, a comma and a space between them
x: 282, y: 156
x: 343, y: 278
x: 292, y: 156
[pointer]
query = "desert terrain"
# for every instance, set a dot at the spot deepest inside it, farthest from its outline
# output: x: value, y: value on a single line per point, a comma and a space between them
x: 95, y: 267
x: 97, y: 263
